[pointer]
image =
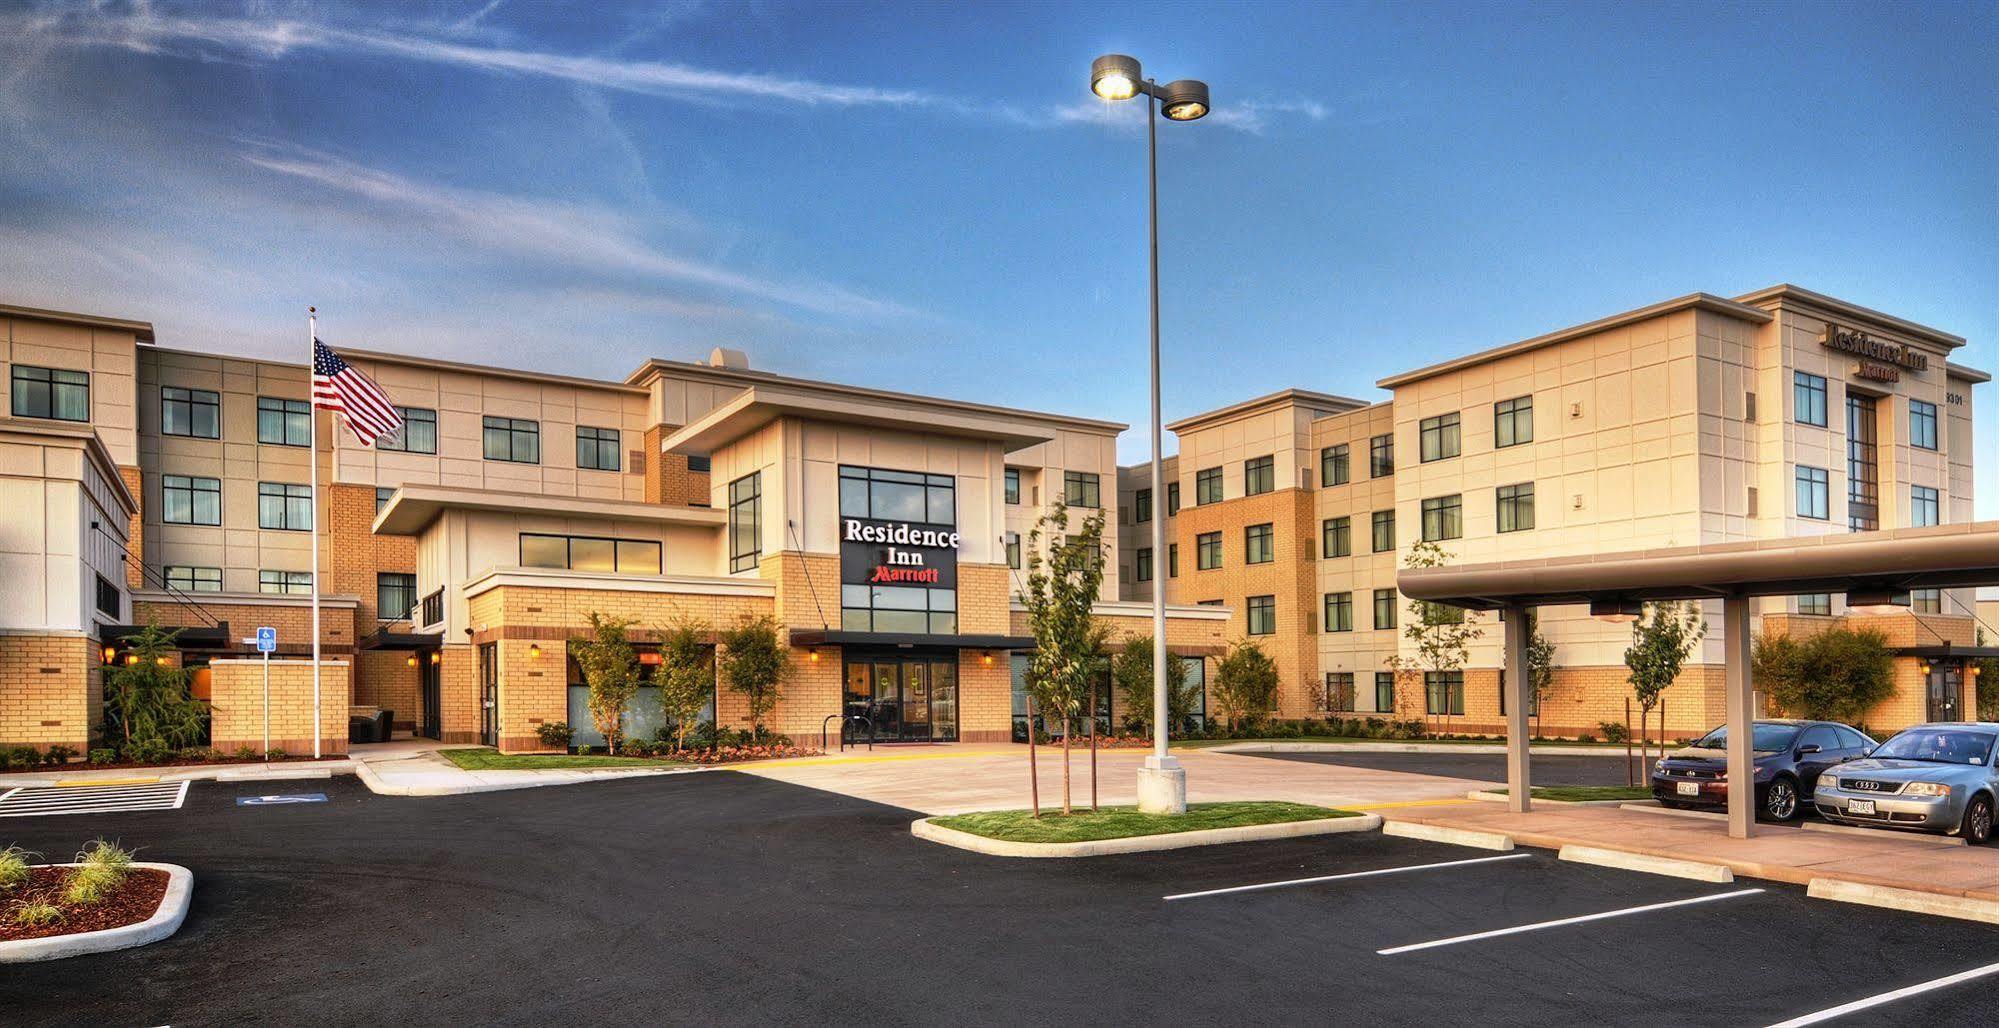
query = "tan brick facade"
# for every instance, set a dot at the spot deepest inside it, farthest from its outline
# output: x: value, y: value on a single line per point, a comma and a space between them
x: 669, y: 480
x: 135, y: 541
x: 237, y: 705
x: 1290, y: 577
x: 51, y: 690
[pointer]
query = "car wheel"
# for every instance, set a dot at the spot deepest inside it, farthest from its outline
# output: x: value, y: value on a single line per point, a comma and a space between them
x: 1977, y: 827
x: 1780, y: 800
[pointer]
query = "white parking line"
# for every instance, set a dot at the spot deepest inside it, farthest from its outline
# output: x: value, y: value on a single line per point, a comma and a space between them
x: 1627, y: 911
x: 1339, y: 877
x: 96, y: 799
x: 1888, y: 997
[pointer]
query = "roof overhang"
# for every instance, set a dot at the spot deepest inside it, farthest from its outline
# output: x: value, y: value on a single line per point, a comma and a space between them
x: 1947, y: 650
x: 1326, y: 403
x: 383, y: 639
x: 760, y: 405
x: 1944, y: 556
x: 1959, y: 371
x: 414, y: 507
x: 141, y: 330
x: 1780, y: 295
x: 908, y: 640
x: 82, y: 437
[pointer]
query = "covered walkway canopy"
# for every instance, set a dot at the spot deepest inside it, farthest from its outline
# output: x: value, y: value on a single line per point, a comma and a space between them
x: 1882, y: 566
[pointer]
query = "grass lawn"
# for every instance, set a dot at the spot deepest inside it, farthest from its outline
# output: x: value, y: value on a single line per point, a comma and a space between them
x: 1587, y: 793
x: 494, y: 760
x: 1126, y: 822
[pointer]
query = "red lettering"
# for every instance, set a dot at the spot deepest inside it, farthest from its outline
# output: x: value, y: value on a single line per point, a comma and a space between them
x: 884, y: 573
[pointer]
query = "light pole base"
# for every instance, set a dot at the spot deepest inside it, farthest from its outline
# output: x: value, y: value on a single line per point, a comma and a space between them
x: 1162, y: 786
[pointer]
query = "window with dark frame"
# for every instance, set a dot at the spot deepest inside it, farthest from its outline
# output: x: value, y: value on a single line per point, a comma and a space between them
x: 1444, y: 692
x: 1012, y: 540
x: 110, y: 602
x: 1339, y: 692
x: 194, y: 413
x: 513, y: 440
x: 383, y: 494
x: 1815, y: 603
x: 1259, y: 544
x: 1863, y: 463
x: 1333, y: 468
x: 1172, y: 499
x: 1082, y: 489
x: 1441, y: 437
x: 56, y: 394
x: 418, y: 433
x: 1384, y: 692
x: 1339, y: 612
x: 1926, y: 601
x: 286, y: 583
x: 1384, y: 531
x: 1141, y: 506
x: 1142, y: 564
x: 700, y: 463
x: 1336, y: 537
x: 1207, y: 551
x: 1922, y: 425
x: 1516, y: 507
x: 1513, y: 421
x: 284, y: 506
x: 599, y: 449
x: 1259, y: 475
x: 1924, y: 508
x: 594, y: 554
x: 1808, y: 399
x: 282, y: 422
x: 1384, y: 608
x: 1261, y: 615
x: 1013, y: 486
x: 190, y: 500
x: 188, y: 579
x: 1207, y: 486
x: 1381, y: 456
x: 1443, y: 518
x: 395, y: 595
x: 1814, y: 493
x: 746, y: 521
x: 1173, y: 560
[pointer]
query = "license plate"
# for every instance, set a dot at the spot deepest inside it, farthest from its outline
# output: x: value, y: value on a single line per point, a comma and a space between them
x: 1688, y: 788
x: 1860, y: 806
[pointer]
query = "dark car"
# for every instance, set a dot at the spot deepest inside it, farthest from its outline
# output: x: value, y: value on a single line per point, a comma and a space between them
x: 1789, y: 757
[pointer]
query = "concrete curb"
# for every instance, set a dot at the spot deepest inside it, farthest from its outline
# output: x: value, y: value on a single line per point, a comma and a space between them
x: 1934, y: 840
x: 376, y: 784
x: 925, y: 829
x: 1910, y: 900
x: 1623, y: 861
x: 1500, y: 797
x: 1654, y: 808
x: 164, y: 922
x: 1454, y: 836
x: 276, y: 774
x: 1401, y: 747
x: 183, y: 773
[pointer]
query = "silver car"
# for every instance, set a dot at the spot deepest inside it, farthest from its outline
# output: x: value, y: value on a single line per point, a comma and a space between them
x: 1935, y: 777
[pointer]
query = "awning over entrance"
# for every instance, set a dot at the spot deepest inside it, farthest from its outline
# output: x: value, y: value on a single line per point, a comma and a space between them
x: 199, y: 637
x: 384, y: 639
x: 907, y: 640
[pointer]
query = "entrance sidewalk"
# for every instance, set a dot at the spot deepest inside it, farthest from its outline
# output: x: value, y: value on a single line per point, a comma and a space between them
x: 422, y: 772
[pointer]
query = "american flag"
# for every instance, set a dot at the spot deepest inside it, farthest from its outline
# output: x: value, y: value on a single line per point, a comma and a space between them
x: 337, y: 387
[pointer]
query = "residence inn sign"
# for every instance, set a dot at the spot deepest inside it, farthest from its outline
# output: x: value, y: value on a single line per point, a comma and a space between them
x: 897, y: 553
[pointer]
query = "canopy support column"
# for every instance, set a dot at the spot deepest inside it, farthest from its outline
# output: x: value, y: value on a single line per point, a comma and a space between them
x: 1741, y: 718
x: 1519, y: 687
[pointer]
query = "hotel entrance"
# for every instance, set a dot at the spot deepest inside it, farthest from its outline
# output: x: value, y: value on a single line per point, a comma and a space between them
x: 907, y: 697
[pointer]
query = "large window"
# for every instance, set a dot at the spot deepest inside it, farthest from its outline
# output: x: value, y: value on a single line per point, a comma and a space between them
x: 1923, y: 507
x: 1259, y: 545
x: 1012, y: 540
x: 418, y: 434
x: 884, y: 495
x: 289, y: 583
x: 1173, y: 560
x: 1207, y: 486
x: 1013, y: 486
x: 190, y: 500
x: 1922, y: 424
x: 1384, y: 531
x: 1926, y: 601
x: 1142, y: 564
x: 1443, y: 518
x: 597, y: 449
x: 1814, y: 493
x: 1259, y: 475
x: 1339, y: 692
x: 1808, y: 398
x: 746, y: 518
x: 284, y: 506
x: 282, y: 422
x: 588, y: 553
x: 1141, y: 506
x: 1384, y: 608
x: 1516, y: 507
x: 1336, y: 537
x: 1513, y: 421
x: 514, y: 440
x: 1381, y: 456
x: 1333, y: 465
x: 700, y: 463
x: 56, y: 393
x: 1815, y: 603
x: 395, y: 595
x: 193, y: 579
x: 898, y: 608
x: 1863, y: 463
x: 1339, y: 612
x: 1207, y: 551
x: 1444, y: 692
x: 1384, y: 692
x: 1081, y: 489
x: 1441, y: 437
x: 196, y: 413
x: 1172, y: 499
x: 1262, y: 614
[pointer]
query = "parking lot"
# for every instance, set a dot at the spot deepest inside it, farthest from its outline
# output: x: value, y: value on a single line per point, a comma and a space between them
x: 1549, y: 769
x: 726, y: 897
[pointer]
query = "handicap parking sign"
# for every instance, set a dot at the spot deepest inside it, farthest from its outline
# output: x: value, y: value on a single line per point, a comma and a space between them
x: 270, y: 801
x: 267, y: 639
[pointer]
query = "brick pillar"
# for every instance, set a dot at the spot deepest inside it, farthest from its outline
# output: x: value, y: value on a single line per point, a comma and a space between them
x: 135, y: 538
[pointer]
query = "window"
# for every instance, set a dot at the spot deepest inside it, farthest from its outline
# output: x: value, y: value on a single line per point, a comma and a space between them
x: 1441, y: 438
x: 1381, y: 456
x: 1207, y: 486
x: 1442, y: 614
x: 284, y: 506
x: 1173, y: 560
x: 188, y: 500
x: 1926, y: 601
x: 1815, y: 603
x: 597, y: 449
x: 1339, y: 691
x: 1079, y: 489
x: 1336, y: 537
x: 1443, y: 518
x: 885, y: 495
x: 512, y: 439
x: 1384, y: 531
x: 1813, y: 494
x: 1207, y: 551
x: 701, y: 463
x: 1339, y: 612
x: 194, y: 580
x: 1516, y: 507
x: 1384, y: 692
x: 1144, y: 564
x: 1013, y: 486
x: 1172, y: 499
x: 1923, y: 509
x: 1262, y: 613
x: 283, y: 422
x: 746, y: 519
x: 1922, y: 424
x: 1259, y: 475
x: 1333, y: 465
x: 589, y: 553
x: 896, y: 608
x: 1808, y: 398
x: 1513, y: 421
x: 110, y: 602
x: 383, y: 494
x: 433, y: 609
x: 1384, y: 608
x: 190, y: 412
x: 290, y: 583
x: 418, y: 434
x: 1444, y: 692
x: 53, y: 393
x: 1013, y: 550
x: 1141, y: 506
x: 395, y: 595
x: 1259, y: 544
x: 1863, y: 463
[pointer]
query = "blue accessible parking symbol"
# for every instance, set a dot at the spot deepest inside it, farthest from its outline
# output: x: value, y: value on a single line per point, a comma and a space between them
x: 267, y: 639
x: 268, y: 801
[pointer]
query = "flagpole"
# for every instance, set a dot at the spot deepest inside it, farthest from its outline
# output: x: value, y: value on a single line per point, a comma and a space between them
x: 312, y: 446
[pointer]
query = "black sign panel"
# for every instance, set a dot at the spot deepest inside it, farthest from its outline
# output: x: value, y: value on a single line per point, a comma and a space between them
x: 898, y: 553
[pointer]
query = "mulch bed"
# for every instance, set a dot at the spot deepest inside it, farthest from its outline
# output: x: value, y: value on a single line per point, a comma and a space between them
x: 134, y: 901
x: 126, y: 765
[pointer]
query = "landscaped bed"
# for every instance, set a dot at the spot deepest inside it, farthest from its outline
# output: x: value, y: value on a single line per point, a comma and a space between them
x: 102, y: 890
x: 494, y: 760
x: 1127, y: 822
x: 1586, y: 793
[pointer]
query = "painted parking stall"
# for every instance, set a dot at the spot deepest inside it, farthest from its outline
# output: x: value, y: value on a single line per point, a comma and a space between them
x: 47, y: 801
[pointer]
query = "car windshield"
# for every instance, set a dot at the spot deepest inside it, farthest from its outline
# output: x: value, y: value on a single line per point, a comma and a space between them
x: 1765, y: 739
x: 1941, y: 745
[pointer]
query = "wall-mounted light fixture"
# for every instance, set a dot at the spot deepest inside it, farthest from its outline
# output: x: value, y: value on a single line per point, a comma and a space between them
x: 534, y: 650
x: 411, y: 661
x: 813, y: 656
x: 1616, y: 611
x: 1877, y: 602
x: 986, y: 658
x: 110, y: 654
x: 435, y: 656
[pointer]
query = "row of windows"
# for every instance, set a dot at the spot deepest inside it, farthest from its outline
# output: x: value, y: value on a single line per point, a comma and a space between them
x: 587, y: 553
x: 1339, y: 611
x: 1808, y: 407
x: 1921, y: 601
x: 196, y: 500
x: 1085, y: 489
x: 1814, y: 498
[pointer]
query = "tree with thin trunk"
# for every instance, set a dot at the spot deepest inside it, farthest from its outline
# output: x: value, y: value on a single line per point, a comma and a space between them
x: 1540, y: 665
x: 1440, y: 634
x: 1662, y: 639
x: 1064, y: 577
x: 1131, y: 670
x: 610, y: 667
x: 1245, y: 684
x: 755, y: 663
x: 686, y: 673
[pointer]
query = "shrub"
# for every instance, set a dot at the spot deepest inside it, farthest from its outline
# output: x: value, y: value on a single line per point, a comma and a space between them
x: 6, y: 760
x: 27, y: 756
x: 1836, y: 675
x: 638, y: 748
x: 147, y: 699
x: 197, y: 755
x: 103, y: 755
x: 102, y: 869
x: 13, y: 866
x: 57, y: 755
x: 247, y: 752
x: 1585, y: 737
x: 1245, y: 686
x: 35, y: 915
x: 1613, y: 731
x: 146, y: 751
x: 553, y: 735
x: 756, y: 664
x: 275, y: 753
x: 586, y: 751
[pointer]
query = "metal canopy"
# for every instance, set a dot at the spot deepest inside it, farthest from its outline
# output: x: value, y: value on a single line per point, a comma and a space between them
x: 909, y: 640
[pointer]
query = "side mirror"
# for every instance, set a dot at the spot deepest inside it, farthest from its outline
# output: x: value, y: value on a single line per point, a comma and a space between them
x: 1808, y: 749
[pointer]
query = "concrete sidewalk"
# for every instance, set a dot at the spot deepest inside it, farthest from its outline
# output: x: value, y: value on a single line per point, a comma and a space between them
x: 426, y: 773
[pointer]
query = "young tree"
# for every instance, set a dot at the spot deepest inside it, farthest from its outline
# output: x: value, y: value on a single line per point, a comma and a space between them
x: 1064, y: 576
x: 146, y: 699
x: 610, y: 668
x: 1836, y: 675
x: 755, y: 663
x: 1441, y: 635
x: 1662, y: 639
x: 1131, y: 669
x: 1540, y: 664
x: 1245, y: 684
x: 686, y: 674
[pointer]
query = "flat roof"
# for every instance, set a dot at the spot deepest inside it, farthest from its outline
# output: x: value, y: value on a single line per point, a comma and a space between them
x: 1833, y: 305
x: 142, y: 329
x: 413, y: 507
x: 1967, y: 374
x: 761, y: 404
x: 1329, y: 402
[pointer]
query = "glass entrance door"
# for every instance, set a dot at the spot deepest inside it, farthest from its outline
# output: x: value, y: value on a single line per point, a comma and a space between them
x: 489, y: 694
x: 429, y: 680
x: 1946, y: 691
x: 907, y: 699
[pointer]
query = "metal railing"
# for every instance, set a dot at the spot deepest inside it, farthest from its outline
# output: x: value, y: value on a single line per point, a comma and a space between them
x: 848, y: 719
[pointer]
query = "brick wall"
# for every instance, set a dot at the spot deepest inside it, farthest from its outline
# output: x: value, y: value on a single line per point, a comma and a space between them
x: 292, y: 620
x: 50, y: 688
x: 385, y: 679
x: 237, y: 705
x: 1291, y: 578
x: 135, y: 540
x: 458, y: 693
x: 668, y: 479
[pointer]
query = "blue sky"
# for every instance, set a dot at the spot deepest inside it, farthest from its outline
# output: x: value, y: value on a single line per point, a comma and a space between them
x: 926, y: 196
